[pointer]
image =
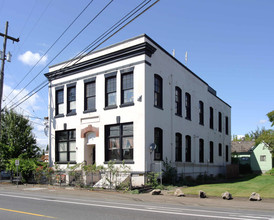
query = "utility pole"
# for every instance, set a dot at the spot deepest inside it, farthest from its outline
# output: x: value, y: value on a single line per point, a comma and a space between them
x: 3, y: 58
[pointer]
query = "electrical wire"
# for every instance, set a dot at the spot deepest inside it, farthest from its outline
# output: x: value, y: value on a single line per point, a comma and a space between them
x: 113, y: 27
x: 51, y: 46
x: 38, y: 88
x: 66, y: 46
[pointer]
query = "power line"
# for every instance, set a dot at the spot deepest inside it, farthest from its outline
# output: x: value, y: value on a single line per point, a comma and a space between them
x: 113, y: 27
x: 43, y: 85
x: 51, y: 47
x: 66, y: 46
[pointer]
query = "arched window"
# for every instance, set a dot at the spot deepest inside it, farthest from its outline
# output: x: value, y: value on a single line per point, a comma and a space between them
x: 188, y: 149
x: 178, y: 101
x: 188, y: 106
x: 158, y: 140
x: 158, y: 91
x: 178, y: 147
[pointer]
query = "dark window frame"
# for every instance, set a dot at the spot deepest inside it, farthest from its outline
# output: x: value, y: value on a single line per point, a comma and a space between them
x: 201, y: 113
x: 178, y: 101
x: 89, y: 95
x: 158, y: 91
x: 220, y: 122
x: 188, y: 148
x: 71, y: 97
x: 211, y: 152
x: 69, y: 140
x: 127, y: 85
x: 178, y: 147
x: 158, y: 140
x: 226, y: 125
x: 220, y: 150
x: 188, y: 106
x: 110, y: 88
x: 211, y: 118
x: 119, y: 137
x: 201, y: 150
x: 226, y: 153
x: 59, y: 102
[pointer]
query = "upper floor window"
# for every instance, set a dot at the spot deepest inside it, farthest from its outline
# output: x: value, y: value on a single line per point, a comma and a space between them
x: 178, y: 101
x: 158, y: 91
x: 65, y: 148
x: 71, y: 99
x: 220, y: 122
x: 211, y: 152
x: 201, y: 113
x: 188, y: 106
x: 110, y: 99
x: 188, y: 149
x: 211, y: 118
x: 119, y: 142
x: 178, y: 149
x: 90, y: 95
x: 127, y: 88
x: 226, y: 125
x: 158, y: 140
x: 59, y: 102
x: 201, y: 150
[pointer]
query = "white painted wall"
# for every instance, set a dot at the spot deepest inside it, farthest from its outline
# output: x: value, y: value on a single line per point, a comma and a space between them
x: 143, y: 114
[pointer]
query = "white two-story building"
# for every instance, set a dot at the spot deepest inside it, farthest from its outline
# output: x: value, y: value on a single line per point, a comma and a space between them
x: 136, y: 103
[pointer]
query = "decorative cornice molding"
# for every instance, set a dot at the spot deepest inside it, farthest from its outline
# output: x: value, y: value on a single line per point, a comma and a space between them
x: 139, y: 49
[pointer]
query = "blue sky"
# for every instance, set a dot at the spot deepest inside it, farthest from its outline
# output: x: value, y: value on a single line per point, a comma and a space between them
x: 230, y: 45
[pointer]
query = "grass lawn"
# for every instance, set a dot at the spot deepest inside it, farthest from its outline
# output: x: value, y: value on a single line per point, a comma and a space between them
x: 263, y: 184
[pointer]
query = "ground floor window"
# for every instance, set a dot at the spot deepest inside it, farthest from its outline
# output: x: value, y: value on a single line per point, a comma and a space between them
x: 119, y: 142
x: 158, y: 140
x: 65, y: 146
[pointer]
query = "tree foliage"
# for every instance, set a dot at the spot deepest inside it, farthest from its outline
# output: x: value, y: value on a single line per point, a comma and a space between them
x: 267, y: 137
x: 17, y: 139
x: 270, y: 116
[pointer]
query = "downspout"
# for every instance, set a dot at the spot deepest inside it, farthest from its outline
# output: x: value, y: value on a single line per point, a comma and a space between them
x: 50, y: 124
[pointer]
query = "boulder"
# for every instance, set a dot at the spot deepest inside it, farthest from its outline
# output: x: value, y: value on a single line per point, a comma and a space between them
x: 227, y: 196
x: 255, y: 197
x: 202, y: 194
x: 179, y: 193
x: 155, y: 192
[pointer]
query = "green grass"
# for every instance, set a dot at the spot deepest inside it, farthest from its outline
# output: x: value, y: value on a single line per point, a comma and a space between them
x: 263, y: 184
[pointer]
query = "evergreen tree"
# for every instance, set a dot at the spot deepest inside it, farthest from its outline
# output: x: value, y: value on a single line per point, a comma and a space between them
x: 17, y: 139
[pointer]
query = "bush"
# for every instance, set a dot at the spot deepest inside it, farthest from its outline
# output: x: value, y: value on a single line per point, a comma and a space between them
x: 169, y: 173
x: 27, y: 168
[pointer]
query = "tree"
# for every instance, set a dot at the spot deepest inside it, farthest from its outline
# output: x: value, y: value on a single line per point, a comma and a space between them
x: 267, y: 137
x: 17, y: 139
x: 270, y: 116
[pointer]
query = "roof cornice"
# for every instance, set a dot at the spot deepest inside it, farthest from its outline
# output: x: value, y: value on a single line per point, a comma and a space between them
x: 128, y: 52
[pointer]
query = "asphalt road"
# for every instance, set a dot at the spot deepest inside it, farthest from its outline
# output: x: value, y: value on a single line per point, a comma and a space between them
x: 43, y: 203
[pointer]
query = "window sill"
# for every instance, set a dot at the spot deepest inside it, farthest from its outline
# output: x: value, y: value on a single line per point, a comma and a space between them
x: 89, y: 111
x: 189, y: 119
x: 201, y: 124
x: 126, y: 104
x: 120, y: 162
x: 161, y: 108
x: 59, y: 116
x: 179, y: 115
x: 71, y: 114
x: 65, y: 162
x: 110, y: 107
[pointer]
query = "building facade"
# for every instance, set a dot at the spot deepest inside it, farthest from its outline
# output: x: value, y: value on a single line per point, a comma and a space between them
x: 136, y: 103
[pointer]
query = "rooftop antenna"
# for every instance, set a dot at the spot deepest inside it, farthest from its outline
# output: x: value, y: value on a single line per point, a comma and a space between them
x: 173, y: 52
x: 186, y: 57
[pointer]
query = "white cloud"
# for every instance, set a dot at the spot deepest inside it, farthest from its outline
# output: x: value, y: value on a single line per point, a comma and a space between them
x: 262, y: 121
x: 31, y: 59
